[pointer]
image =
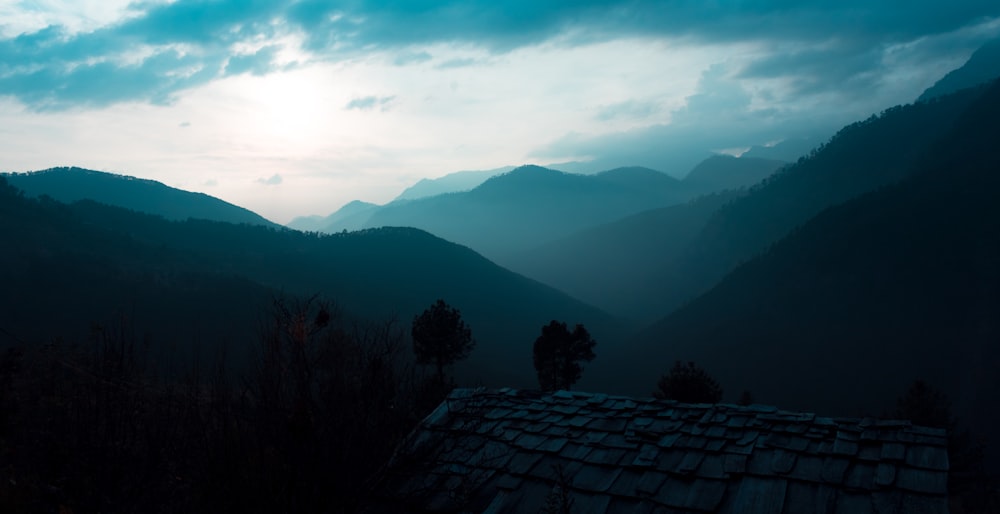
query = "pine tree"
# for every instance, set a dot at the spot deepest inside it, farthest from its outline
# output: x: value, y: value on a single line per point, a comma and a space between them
x: 689, y: 384
x: 558, y: 353
x: 441, y: 338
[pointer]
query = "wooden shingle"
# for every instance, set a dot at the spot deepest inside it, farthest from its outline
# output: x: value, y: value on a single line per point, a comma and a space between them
x: 507, y: 451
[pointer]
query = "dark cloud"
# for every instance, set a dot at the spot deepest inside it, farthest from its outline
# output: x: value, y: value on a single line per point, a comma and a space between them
x: 843, y: 64
x: 154, y: 79
x: 43, y: 69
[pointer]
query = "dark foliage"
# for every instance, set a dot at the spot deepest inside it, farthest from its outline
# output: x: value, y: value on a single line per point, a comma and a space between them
x: 92, y: 428
x: 440, y: 337
x: 970, y: 486
x: 925, y: 406
x: 558, y: 353
x: 689, y: 384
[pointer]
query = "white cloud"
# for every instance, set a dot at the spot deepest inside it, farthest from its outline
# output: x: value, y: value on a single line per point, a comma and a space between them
x: 273, y: 180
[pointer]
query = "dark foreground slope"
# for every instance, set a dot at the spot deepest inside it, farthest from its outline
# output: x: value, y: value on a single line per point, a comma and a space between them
x: 199, y: 282
x: 841, y: 315
x: 73, y: 184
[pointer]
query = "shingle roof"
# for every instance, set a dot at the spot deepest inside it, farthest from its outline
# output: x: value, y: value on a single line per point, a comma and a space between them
x: 504, y: 450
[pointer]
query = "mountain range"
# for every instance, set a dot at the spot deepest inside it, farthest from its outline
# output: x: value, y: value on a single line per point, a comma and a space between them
x: 352, y: 216
x: 195, y: 284
x: 450, y: 183
x: 515, y: 211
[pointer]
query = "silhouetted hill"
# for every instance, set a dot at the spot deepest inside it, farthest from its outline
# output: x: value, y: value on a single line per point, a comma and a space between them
x: 897, y: 284
x: 529, y: 205
x: 983, y: 66
x: 450, y: 183
x: 624, y: 266
x: 73, y: 184
x: 200, y: 282
x: 352, y: 216
x: 721, y: 172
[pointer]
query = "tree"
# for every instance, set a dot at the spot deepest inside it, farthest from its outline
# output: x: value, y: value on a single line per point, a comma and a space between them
x: 557, y: 355
x: 440, y: 337
x: 925, y: 406
x: 689, y: 384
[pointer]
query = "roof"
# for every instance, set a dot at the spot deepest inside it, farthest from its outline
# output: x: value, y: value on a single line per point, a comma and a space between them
x: 503, y: 450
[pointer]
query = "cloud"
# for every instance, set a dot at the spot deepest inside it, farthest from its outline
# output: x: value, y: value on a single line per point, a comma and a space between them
x: 461, y: 62
x: 258, y: 63
x: 164, y: 48
x: 407, y: 58
x: 273, y: 180
x: 719, y: 115
x: 368, y: 103
x: 629, y: 109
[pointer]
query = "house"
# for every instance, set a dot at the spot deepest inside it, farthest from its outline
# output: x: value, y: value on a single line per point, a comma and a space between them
x: 504, y: 450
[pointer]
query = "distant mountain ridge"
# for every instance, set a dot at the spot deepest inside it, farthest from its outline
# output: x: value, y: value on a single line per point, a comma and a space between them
x: 450, y: 183
x: 722, y: 172
x: 516, y: 210
x: 529, y: 205
x: 983, y: 66
x: 352, y: 216
x: 71, y: 184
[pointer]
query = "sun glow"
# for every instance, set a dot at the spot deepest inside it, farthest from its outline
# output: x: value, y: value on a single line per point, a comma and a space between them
x: 290, y: 109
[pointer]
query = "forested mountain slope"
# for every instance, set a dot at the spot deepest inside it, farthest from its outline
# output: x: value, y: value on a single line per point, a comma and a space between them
x: 72, y: 184
x: 898, y: 284
x: 860, y: 158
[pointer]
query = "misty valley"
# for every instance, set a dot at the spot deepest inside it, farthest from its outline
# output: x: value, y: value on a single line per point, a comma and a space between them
x: 168, y: 351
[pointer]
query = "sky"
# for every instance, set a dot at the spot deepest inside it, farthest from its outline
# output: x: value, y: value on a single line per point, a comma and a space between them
x: 294, y: 108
